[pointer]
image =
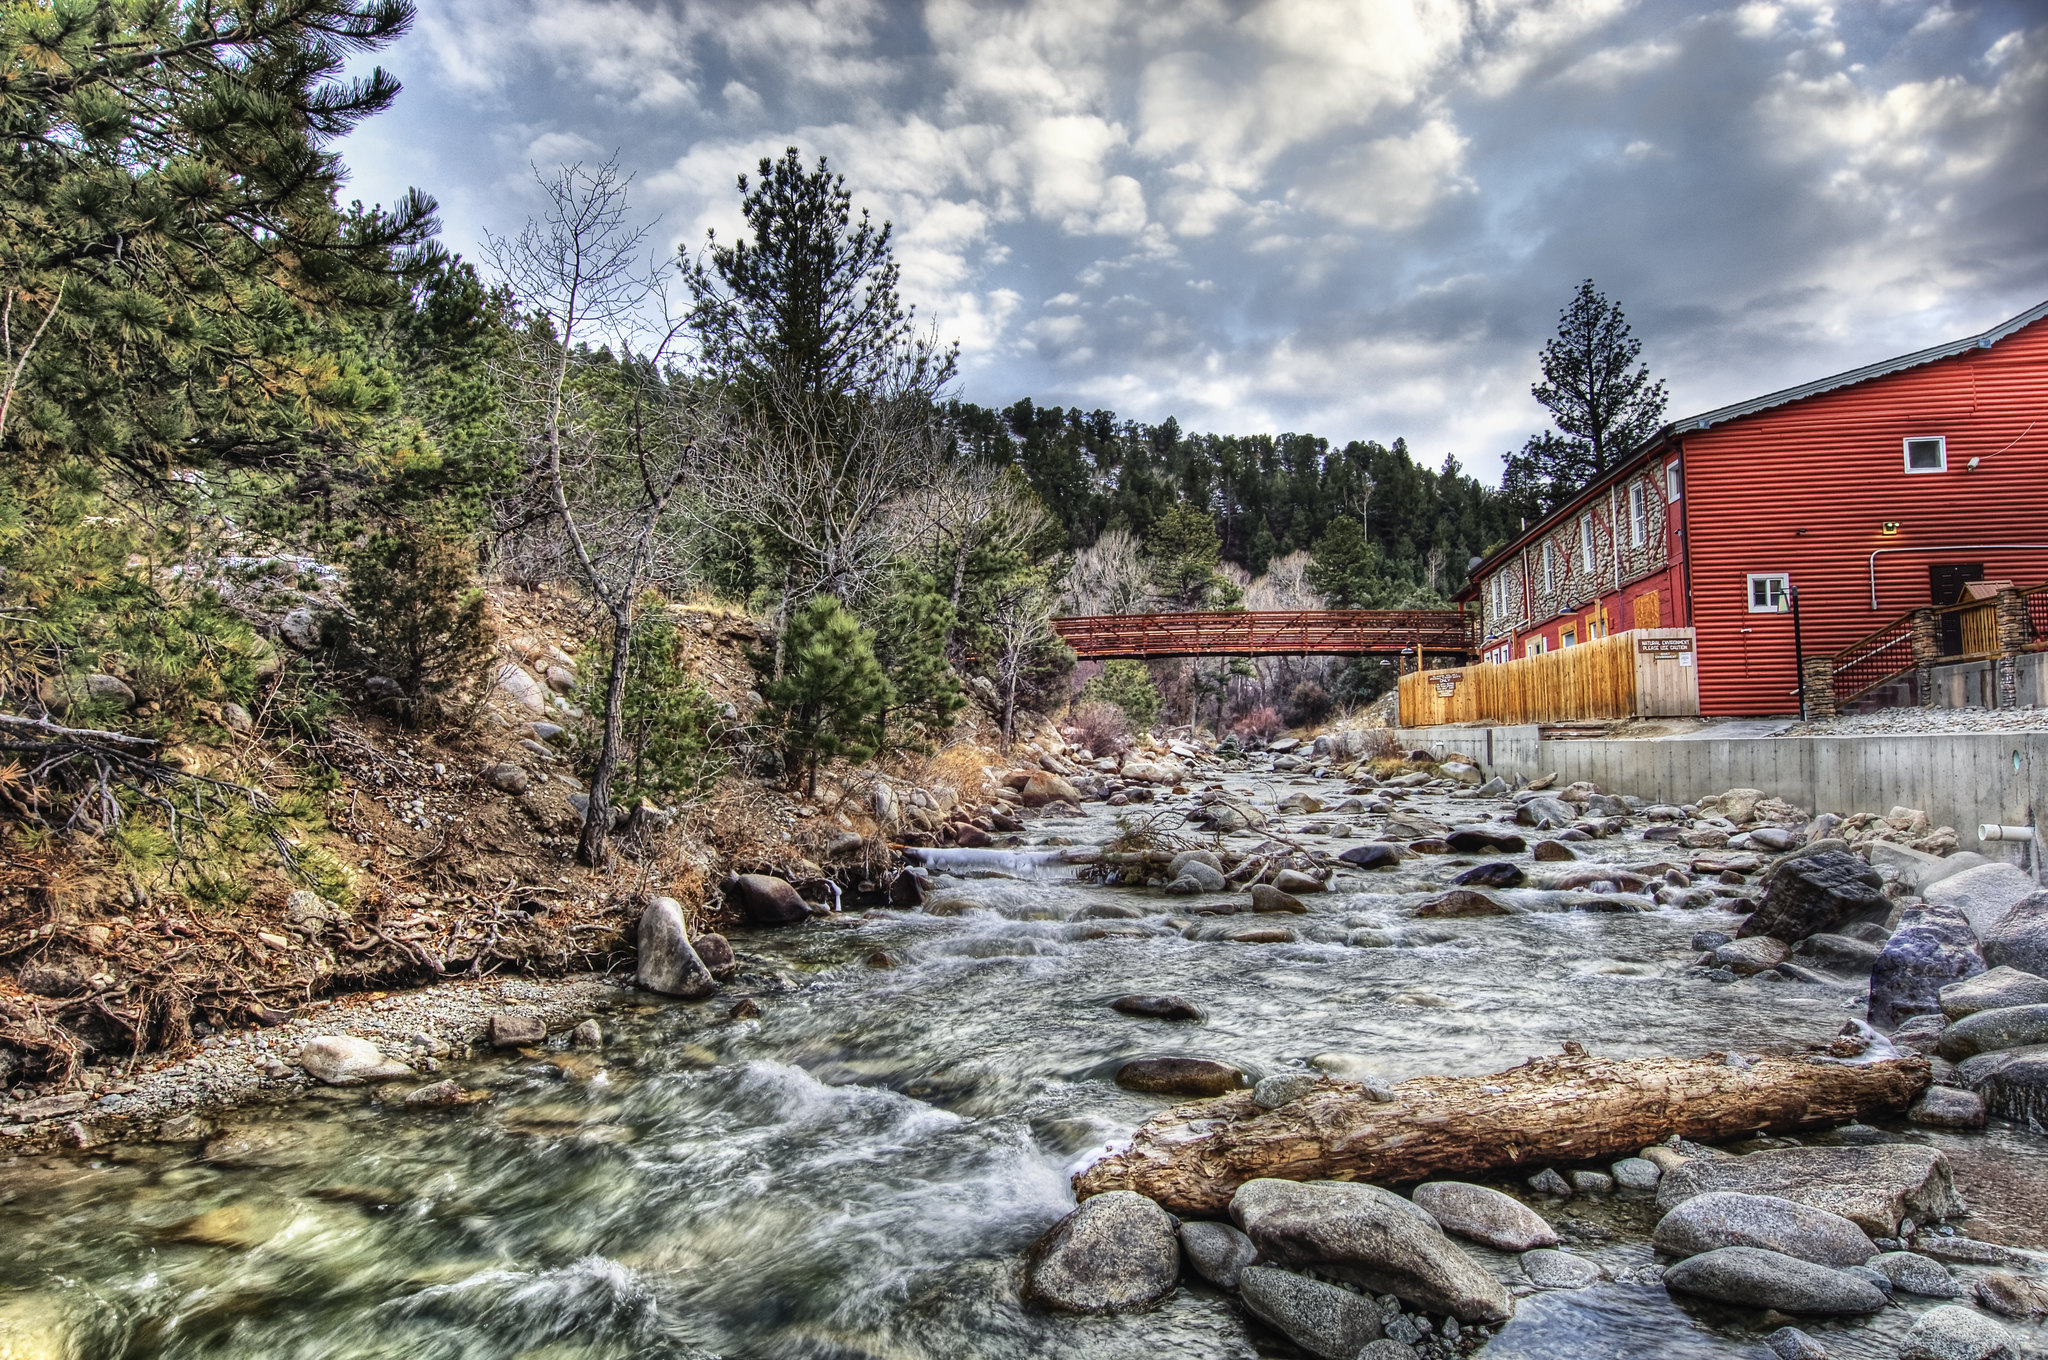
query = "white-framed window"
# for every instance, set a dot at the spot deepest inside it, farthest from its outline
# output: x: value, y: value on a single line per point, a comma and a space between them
x: 1549, y: 565
x: 1767, y: 592
x: 1536, y: 647
x: 1497, y: 597
x: 1929, y: 453
x: 1586, y: 559
x: 1671, y: 483
x: 1638, y: 514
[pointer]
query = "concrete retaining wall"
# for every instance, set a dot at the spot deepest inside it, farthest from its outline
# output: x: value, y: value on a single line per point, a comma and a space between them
x: 1974, y: 684
x: 1960, y: 779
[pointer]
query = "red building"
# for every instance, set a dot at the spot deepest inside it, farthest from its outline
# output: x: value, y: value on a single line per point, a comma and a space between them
x: 1873, y: 492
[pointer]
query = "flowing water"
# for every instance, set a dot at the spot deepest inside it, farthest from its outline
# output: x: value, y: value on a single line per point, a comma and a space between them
x: 856, y: 1172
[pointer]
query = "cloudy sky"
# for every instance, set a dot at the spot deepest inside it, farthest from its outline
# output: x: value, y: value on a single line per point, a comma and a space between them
x: 1352, y: 217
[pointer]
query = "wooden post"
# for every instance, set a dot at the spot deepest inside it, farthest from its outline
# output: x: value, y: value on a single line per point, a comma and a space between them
x: 1818, y: 674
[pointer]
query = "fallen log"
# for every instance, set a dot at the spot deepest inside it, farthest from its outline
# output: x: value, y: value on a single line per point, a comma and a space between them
x: 1567, y: 1109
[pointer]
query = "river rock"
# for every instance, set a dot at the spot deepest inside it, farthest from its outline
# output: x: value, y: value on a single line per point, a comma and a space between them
x: 1498, y: 874
x: 1377, y: 855
x: 1196, y: 877
x: 1946, y: 1107
x: 1268, y: 899
x: 2013, y: 1296
x: 516, y: 683
x: 342, y: 1060
x: 1301, y: 804
x: 1117, y: 1253
x: 716, y: 951
x: 1842, y: 954
x: 1932, y: 948
x: 1991, y: 1031
x: 1464, y: 902
x: 2014, y: 1083
x: 506, y: 777
x: 1872, y: 1187
x: 667, y: 962
x: 1984, y: 894
x: 1295, y: 881
x: 1789, y: 1343
x: 1262, y: 935
x: 1327, y: 1322
x: 1636, y: 1173
x: 1730, y: 1219
x: 1953, y: 1332
x: 1757, y: 954
x: 1913, y: 1273
x: 1152, y: 771
x: 1549, y: 1269
x: 432, y: 1096
x: 1180, y: 1076
x: 1816, y: 893
x: 1352, y: 1233
x: 2019, y: 939
x: 1751, y: 1277
x: 517, y: 1031
x: 1179, y: 863
x: 1150, y: 1006
x: 1993, y: 990
x: 1217, y: 1251
x: 763, y: 900
x: 1481, y: 1214
x: 1476, y: 840
x: 1555, y: 852
x: 242, y: 1226
x: 1544, y: 813
x: 1044, y: 788
x: 1280, y: 1088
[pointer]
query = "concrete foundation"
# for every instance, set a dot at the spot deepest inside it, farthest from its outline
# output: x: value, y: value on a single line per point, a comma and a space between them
x: 1976, y: 684
x: 1959, y: 779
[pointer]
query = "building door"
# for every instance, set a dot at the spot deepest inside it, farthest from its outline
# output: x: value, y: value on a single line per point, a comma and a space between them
x: 1945, y: 582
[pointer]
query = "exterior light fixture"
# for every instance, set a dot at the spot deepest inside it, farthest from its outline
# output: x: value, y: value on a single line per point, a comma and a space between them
x: 1891, y: 526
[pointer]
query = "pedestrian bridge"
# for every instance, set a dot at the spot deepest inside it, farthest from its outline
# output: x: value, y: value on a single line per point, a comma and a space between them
x: 1297, y: 632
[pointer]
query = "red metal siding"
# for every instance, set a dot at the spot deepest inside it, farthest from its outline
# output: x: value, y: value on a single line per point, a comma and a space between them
x: 1805, y: 489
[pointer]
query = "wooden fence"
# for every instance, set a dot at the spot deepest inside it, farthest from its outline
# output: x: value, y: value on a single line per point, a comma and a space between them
x: 1643, y: 673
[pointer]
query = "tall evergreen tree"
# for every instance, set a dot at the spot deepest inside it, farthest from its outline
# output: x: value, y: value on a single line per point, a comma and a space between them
x: 1345, y: 568
x: 1603, y: 401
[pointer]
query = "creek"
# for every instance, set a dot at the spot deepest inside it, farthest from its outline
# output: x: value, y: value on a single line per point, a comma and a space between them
x: 857, y: 1171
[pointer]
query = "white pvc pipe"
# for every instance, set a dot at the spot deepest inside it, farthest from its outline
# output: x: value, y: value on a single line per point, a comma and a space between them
x: 1988, y: 831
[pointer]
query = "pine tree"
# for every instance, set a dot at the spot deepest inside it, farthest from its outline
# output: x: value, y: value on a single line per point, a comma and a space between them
x: 1345, y: 569
x: 831, y: 696
x: 1594, y: 395
x: 1184, y: 548
x: 911, y: 646
x: 412, y: 616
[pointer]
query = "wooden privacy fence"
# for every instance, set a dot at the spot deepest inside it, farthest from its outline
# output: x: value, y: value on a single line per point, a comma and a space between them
x: 1643, y: 673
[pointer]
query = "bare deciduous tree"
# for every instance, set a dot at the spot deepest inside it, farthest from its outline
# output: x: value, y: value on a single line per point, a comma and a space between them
x: 607, y: 442
x: 1022, y: 623
x: 1110, y: 576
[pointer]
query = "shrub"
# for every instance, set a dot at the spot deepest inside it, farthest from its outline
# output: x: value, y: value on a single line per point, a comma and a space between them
x: 1261, y: 724
x: 1100, y: 727
x: 832, y: 694
x: 1128, y: 685
x: 669, y: 728
x: 1308, y: 705
x: 413, y: 615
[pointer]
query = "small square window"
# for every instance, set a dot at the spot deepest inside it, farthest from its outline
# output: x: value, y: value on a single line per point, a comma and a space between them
x: 1567, y: 637
x: 1768, y: 591
x: 1927, y: 455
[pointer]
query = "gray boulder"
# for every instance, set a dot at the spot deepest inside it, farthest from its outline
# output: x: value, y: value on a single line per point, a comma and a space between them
x: 667, y: 964
x: 1481, y: 1214
x: 2014, y: 1082
x: 1932, y: 948
x: 1544, y: 812
x: 1726, y: 1218
x: 1789, y: 1343
x: 1993, y: 990
x: 1984, y: 894
x: 1843, y: 954
x: 1750, y: 1277
x: 342, y: 1060
x: 1366, y: 1236
x: 1549, y: 1269
x: 1179, y: 863
x: 1872, y: 1187
x: 1636, y: 1173
x: 1117, y: 1253
x: 1816, y: 893
x: 1217, y: 1251
x: 1268, y: 899
x: 1327, y: 1322
x: 763, y: 900
x: 1196, y: 877
x: 1994, y: 1031
x: 1912, y: 1273
x: 1953, y: 1332
x: 1280, y: 1088
x: 1948, y: 1107
x: 2019, y: 939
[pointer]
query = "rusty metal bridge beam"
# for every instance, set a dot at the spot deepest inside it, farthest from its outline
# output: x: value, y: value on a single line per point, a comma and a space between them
x: 1329, y: 632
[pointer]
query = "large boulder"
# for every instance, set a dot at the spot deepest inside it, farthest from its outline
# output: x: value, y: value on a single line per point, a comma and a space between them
x: 1995, y: 1031
x: 667, y: 964
x: 1984, y: 894
x: 1816, y: 893
x: 1485, y: 1215
x: 1932, y: 948
x: 516, y: 683
x: 1953, y: 1332
x: 2013, y: 1082
x: 1367, y: 1236
x: 1044, y: 788
x: 1993, y: 990
x: 1218, y: 1252
x: 1872, y: 1187
x: 1917, y: 869
x: 1180, y: 1076
x: 1750, y: 1277
x: 1544, y: 812
x: 2019, y: 939
x: 1327, y: 1322
x: 762, y: 900
x: 1727, y: 1218
x: 1117, y: 1253
x: 1143, y: 771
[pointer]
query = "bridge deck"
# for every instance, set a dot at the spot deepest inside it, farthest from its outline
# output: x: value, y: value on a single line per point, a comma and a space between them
x: 1305, y: 632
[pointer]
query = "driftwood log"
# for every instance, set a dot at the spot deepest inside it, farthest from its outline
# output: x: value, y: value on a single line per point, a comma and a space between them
x: 1567, y: 1109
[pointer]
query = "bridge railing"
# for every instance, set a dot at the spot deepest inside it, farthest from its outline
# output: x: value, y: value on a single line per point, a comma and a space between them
x: 1296, y: 632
